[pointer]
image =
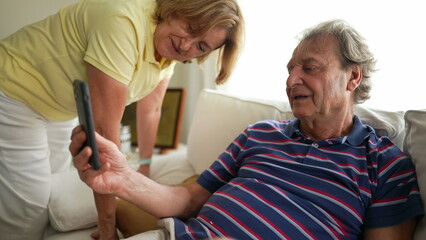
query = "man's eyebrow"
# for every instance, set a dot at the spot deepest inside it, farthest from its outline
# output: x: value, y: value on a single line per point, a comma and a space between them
x: 303, y: 61
x: 290, y: 63
x: 309, y: 60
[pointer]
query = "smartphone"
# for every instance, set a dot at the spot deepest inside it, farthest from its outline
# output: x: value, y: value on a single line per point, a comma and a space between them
x: 85, y: 117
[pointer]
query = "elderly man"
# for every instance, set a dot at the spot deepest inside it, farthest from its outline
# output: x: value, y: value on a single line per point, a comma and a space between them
x: 323, y: 175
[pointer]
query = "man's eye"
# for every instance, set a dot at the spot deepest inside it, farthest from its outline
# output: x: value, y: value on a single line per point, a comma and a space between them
x: 309, y: 68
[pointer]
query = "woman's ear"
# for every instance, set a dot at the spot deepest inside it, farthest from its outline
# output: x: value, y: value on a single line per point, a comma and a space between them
x: 355, y: 77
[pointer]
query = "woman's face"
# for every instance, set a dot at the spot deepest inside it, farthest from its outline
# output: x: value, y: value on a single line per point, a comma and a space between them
x: 172, y: 40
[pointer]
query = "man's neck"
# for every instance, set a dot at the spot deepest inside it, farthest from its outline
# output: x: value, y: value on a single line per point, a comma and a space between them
x: 321, y: 128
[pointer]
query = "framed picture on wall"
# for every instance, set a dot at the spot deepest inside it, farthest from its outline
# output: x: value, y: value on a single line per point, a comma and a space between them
x: 170, y: 126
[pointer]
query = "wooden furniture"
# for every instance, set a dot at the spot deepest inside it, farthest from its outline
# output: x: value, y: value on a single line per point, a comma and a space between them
x: 170, y: 123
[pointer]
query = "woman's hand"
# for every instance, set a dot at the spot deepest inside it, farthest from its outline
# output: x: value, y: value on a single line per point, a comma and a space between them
x: 144, y: 169
x: 114, y: 167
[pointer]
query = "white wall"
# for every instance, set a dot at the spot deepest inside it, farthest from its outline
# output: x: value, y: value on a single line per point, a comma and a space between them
x: 394, y: 30
x: 15, y: 14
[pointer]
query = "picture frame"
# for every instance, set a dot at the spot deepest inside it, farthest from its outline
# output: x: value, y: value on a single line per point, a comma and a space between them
x: 170, y: 125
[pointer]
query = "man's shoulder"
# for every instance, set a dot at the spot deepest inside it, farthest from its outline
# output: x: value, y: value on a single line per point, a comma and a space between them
x: 271, y: 124
x: 280, y: 127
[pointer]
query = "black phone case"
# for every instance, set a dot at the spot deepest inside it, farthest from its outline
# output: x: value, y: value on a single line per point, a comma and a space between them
x: 85, y: 117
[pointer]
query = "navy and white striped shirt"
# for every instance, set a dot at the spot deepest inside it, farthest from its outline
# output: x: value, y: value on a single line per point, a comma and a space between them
x: 273, y: 182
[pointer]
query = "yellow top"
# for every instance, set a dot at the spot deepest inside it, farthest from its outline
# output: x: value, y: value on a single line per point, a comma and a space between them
x: 39, y: 62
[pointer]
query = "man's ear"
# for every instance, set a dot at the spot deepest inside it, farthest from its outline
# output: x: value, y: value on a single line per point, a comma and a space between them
x: 355, y: 77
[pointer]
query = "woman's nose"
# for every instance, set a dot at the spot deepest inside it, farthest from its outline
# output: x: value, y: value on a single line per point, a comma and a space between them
x: 186, y: 44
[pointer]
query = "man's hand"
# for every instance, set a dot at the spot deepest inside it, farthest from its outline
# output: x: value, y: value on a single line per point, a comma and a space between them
x: 114, y: 166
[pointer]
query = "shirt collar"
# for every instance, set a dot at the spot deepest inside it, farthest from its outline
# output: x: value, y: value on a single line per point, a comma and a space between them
x: 358, y: 134
x: 293, y: 128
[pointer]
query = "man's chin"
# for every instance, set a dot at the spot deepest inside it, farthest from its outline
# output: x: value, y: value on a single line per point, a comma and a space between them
x: 299, y: 113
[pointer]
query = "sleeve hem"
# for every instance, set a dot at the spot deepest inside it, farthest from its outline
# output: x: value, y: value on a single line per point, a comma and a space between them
x: 105, y: 70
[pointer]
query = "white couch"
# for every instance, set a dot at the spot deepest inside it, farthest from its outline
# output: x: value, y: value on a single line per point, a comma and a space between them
x: 218, y: 119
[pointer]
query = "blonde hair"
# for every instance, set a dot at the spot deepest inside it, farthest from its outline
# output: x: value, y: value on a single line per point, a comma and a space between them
x: 204, y: 15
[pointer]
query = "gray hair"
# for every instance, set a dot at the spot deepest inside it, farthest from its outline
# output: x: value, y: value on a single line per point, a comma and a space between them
x: 353, y: 50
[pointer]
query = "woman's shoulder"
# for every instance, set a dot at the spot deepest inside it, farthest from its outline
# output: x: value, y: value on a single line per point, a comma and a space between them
x: 119, y: 8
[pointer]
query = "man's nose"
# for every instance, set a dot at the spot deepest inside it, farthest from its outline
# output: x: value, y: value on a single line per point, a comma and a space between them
x: 294, y: 78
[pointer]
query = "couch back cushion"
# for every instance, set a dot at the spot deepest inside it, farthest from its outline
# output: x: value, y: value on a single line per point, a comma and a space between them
x: 414, y: 145
x: 220, y: 117
x: 386, y: 123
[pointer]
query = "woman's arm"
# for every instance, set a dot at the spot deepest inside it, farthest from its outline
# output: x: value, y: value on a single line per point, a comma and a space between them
x: 148, y: 112
x: 108, y: 97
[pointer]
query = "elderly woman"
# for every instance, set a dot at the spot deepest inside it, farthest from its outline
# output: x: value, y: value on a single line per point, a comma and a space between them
x: 126, y: 51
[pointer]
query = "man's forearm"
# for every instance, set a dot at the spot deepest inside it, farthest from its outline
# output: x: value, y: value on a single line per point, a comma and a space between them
x: 154, y: 198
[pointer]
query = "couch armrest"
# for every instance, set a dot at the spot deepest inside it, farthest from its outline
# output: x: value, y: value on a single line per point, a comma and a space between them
x: 172, y: 167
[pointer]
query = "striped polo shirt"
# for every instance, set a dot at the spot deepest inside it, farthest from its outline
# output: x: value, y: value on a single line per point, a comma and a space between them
x: 274, y: 182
